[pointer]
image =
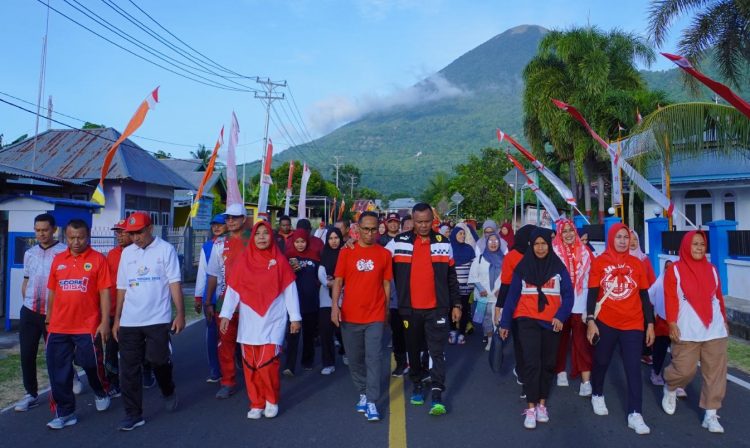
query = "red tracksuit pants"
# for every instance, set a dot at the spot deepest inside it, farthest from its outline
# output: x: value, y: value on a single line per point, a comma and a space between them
x: 261, y: 363
x: 582, y: 352
x: 227, y: 348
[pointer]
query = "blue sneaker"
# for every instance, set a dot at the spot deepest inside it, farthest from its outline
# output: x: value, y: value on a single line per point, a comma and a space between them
x: 362, y: 403
x: 61, y: 422
x: 130, y: 423
x: 417, y: 396
x: 372, y: 413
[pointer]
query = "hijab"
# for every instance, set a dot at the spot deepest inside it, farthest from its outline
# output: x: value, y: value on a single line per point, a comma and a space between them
x: 471, y: 234
x: 260, y: 276
x: 482, y: 243
x: 521, y: 239
x: 330, y: 256
x: 537, y: 271
x: 582, y: 232
x: 576, y: 257
x: 495, y: 258
x: 309, y: 252
x: 611, y: 257
x: 462, y: 252
x: 697, y: 279
x: 509, y: 238
x: 638, y: 253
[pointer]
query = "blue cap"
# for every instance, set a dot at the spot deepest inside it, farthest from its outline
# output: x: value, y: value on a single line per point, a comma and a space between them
x: 218, y: 219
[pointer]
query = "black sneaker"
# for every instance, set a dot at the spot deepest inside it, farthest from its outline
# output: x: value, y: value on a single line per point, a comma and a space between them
x: 170, y: 402
x: 114, y: 392
x: 400, y: 371
x: 130, y: 423
x: 149, y: 380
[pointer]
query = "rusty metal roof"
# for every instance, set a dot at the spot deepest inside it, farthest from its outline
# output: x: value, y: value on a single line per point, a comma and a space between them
x: 76, y: 154
x: 8, y: 171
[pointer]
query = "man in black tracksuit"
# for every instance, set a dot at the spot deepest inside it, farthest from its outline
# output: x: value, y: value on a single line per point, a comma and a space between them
x: 427, y: 287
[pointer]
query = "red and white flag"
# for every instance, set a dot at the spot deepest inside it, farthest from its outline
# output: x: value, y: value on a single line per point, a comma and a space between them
x: 543, y: 198
x: 551, y: 177
x: 233, y: 188
x: 265, y: 181
x: 289, y: 187
x: 302, y: 205
x: 720, y: 89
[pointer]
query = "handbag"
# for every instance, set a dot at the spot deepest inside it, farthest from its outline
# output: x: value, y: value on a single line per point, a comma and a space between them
x: 479, y: 311
x: 497, y: 352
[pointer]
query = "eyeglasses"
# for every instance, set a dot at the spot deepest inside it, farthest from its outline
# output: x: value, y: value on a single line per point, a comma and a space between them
x: 368, y: 229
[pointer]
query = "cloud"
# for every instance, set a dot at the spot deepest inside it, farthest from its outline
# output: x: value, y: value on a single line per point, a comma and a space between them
x: 379, y: 9
x: 337, y: 110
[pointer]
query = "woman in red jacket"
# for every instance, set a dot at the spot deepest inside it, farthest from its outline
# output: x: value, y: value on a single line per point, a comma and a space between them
x: 619, y: 310
x: 698, y: 329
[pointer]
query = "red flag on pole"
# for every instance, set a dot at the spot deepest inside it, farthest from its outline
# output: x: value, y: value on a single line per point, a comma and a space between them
x: 543, y: 198
x: 207, y: 174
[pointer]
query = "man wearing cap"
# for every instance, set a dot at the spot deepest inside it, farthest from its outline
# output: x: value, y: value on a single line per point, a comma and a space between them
x: 224, y: 252
x: 218, y: 228
x: 149, y: 274
x: 112, y: 348
x: 392, y: 228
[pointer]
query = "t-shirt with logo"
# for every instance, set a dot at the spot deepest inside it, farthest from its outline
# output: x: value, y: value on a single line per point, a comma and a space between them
x: 36, y: 265
x: 145, y: 275
x: 225, y: 251
x: 364, y: 269
x: 623, y: 309
x: 76, y: 281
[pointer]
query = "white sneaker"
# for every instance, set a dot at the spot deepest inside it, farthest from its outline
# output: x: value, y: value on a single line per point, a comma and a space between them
x: 598, y: 404
x: 711, y: 422
x: 669, y: 401
x: 345, y: 360
x: 542, y: 415
x: 489, y: 344
x: 562, y: 379
x: 362, y: 404
x: 328, y: 370
x: 26, y: 403
x: 585, y: 390
x: 271, y: 410
x: 77, y: 386
x: 529, y: 421
x: 254, y: 414
x: 102, y: 403
x: 636, y: 423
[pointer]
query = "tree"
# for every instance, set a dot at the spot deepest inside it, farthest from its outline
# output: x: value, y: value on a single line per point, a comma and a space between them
x: 367, y: 193
x: 437, y: 188
x: 202, y: 153
x: 89, y: 125
x: 161, y: 154
x: 349, y: 177
x: 316, y: 186
x: 20, y: 139
x: 718, y: 26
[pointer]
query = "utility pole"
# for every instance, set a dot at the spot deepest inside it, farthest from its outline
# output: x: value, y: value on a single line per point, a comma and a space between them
x: 337, y: 165
x: 268, y: 97
x: 351, y: 192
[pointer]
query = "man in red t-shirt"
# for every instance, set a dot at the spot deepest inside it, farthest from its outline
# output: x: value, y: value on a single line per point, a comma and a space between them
x: 111, y: 347
x: 366, y: 270
x: 78, y: 321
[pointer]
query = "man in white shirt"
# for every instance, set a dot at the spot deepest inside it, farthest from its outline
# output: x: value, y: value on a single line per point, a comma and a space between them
x: 148, y: 275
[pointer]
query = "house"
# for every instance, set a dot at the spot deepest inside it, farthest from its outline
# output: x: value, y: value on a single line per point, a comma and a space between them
x: 193, y: 170
x: 402, y: 206
x: 136, y: 181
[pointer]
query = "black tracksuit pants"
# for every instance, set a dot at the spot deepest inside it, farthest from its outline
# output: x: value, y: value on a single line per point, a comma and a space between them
x: 430, y: 327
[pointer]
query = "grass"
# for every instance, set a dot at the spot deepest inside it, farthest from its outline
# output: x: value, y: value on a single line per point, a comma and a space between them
x: 739, y: 354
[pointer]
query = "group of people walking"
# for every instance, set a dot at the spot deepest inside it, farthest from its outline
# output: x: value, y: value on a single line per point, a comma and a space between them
x: 262, y: 291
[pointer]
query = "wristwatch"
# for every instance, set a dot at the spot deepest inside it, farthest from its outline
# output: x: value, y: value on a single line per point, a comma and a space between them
x: 590, y: 317
x: 458, y: 306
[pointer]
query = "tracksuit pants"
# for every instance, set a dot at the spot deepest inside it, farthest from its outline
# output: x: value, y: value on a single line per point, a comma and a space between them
x: 398, y: 338
x: 631, y: 343
x: 62, y: 350
x: 212, y: 346
x: 30, y: 330
x: 427, y: 327
x: 226, y: 352
x: 139, y: 344
x: 327, y: 332
x: 261, y: 367
x: 539, y: 346
x: 364, y: 344
x: 309, y: 330
x: 713, y: 358
x: 112, y: 359
x: 573, y: 340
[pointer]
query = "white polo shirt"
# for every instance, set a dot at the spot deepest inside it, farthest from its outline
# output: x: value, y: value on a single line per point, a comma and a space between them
x: 37, y: 262
x: 145, y: 275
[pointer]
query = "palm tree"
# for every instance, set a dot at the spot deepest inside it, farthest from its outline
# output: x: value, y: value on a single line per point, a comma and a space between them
x: 202, y: 153
x: 718, y: 25
x: 596, y: 71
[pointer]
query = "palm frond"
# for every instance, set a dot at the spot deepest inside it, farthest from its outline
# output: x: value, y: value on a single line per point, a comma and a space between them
x: 663, y: 12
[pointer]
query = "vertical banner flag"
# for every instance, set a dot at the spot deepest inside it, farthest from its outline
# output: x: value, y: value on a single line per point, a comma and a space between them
x: 616, y: 177
x: 135, y: 122
x: 289, y: 187
x: 302, y: 204
x: 207, y: 175
x: 342, y: 207
x: 634, y: 175
x: 233, y: 188
x: 720, y: 89
x: 265, y: 180
x: 551, y: 177
x: 332, y: 213
x: 543, y: 198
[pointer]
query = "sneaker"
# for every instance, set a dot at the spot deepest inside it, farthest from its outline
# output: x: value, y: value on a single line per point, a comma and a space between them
x: 485, y: 339
x: 362, y: 404
x: 327, y: 370
x: 114, y: 392
x: 488, y: 345
x: 669, y: 401
x: 636, y: 423
x: 213, y: 379
x: 427, y: 377
x: 656, y: 380
x: 371, y: 413
x: 271, y: 410
x: 562, y: 379
x: 149, y: 380
x: 26, y: 403
x: 170, y: 402
x: 452, y: 337
x: 518, y: 380
x: 102, y: 403
x: 529, y: 421
x: 585, y: 389
x: 711, y: 422
x: 131, y: 423
x: 77, y: 386
x: 400, y: 371
x: 599, y: 406
x: 345, y: 360
x: 647, y: 359
x: 288, y: 372
x: 681, y: 393
x: 437, y: 408
x: 461, y: 339
x: 417, y: 396
x: 225, y: 392
x: 61, y: 422
x: 255, y: 414
x: 542, y: 414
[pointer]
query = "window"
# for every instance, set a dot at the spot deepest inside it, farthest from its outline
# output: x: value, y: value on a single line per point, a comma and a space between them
x: 158, y: 209
x: 729, y: 207
x: 699, y: 207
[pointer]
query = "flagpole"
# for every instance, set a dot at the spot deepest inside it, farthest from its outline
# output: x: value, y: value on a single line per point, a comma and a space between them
x: 515, y: 203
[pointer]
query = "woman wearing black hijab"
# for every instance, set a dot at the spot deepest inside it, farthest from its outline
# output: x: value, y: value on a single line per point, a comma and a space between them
x: 540, y: 299
x: 328, y: 259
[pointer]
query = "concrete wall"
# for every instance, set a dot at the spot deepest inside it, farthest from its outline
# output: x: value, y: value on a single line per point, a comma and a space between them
x: 738, y: 272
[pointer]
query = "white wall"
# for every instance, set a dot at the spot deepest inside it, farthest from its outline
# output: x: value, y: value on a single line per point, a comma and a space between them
x: 738, y: 274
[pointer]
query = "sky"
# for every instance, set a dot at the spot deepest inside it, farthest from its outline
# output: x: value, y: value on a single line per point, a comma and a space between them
x: 339, y: 59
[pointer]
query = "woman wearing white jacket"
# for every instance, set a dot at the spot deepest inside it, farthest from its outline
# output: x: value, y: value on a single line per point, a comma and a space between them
x: 485, y: 275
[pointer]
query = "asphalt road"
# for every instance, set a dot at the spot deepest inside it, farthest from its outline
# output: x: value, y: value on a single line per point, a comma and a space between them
x: 484, y: 409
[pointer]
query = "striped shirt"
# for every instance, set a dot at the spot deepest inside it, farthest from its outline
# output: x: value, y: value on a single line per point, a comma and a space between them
x: 462, y: 272
x: 37, y: 263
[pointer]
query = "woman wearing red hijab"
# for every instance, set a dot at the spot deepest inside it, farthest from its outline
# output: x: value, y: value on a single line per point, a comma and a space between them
x: 507, y: 234
x: 262, y: 287
x: 618, y: 312
x: 698, y: 329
